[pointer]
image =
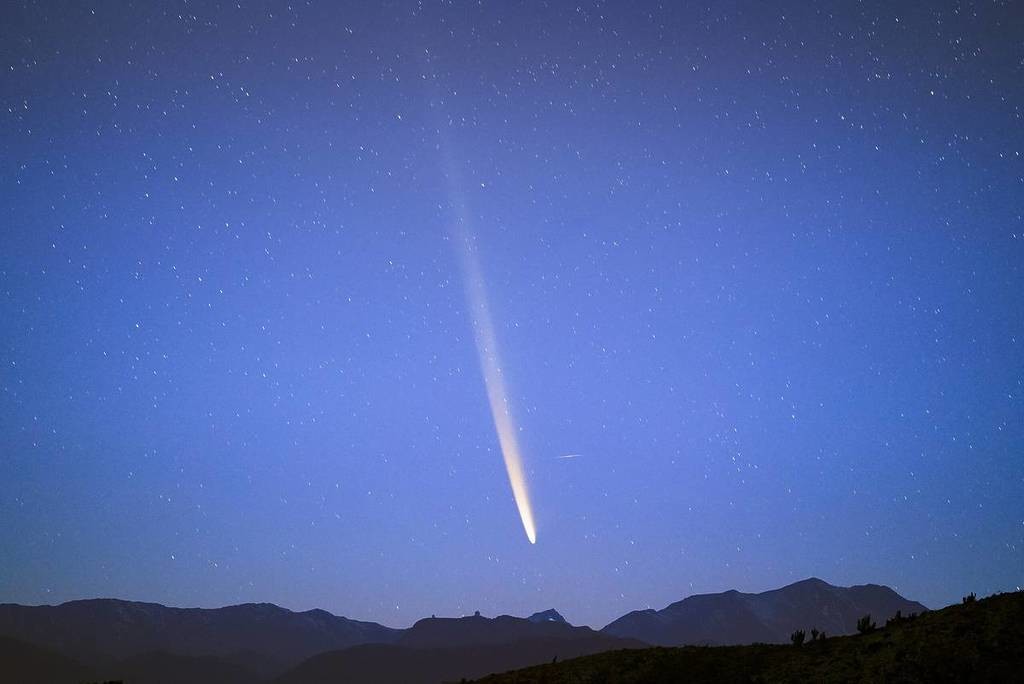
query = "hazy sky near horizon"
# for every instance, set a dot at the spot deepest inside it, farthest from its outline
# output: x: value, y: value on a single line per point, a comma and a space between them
x: 755, y: 271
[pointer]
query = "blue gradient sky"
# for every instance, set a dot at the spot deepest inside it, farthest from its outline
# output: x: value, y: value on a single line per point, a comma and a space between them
x: 760, y: 267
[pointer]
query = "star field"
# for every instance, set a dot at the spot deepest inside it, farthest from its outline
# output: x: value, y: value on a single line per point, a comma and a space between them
x: 756, y: 266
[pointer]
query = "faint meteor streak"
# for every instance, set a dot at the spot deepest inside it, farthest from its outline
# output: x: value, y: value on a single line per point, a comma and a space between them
x: 486, y: 344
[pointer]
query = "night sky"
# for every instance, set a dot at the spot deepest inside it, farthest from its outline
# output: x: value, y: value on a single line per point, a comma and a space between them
x: 754, y: 273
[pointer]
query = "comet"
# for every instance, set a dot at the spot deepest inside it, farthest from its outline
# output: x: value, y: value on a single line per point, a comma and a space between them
x: 494, y: 381
x: 461, y: 232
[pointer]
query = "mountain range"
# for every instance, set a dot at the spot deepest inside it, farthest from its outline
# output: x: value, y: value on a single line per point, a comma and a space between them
x: 733, y: 618
x: 265, y: 639
x: 253, y: 643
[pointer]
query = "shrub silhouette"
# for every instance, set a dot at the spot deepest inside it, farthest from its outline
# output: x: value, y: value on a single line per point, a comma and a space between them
x: 797, y: 637
x: 865, y: 625
x: 814, y: 633
x: 970, y: 598
x: 895, y: 619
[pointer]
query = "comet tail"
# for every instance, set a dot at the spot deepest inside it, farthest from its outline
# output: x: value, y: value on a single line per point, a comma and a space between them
x: 497, y: 394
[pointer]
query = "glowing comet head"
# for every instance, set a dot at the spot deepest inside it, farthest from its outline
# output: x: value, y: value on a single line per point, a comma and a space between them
x: 497, y: 395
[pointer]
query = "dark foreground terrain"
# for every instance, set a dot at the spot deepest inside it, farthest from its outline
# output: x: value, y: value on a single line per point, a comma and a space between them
x: 978, y: 641
x: 257, y: 643
x: 698, y: 639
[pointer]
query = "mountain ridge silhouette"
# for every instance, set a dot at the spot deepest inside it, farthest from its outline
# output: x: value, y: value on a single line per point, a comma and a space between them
x: 733, y: 617
x: 260, y: 642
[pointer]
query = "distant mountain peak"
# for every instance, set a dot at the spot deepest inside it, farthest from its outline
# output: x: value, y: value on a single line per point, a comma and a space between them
x: 813, y: 580
x: 549, y: 615
x: 811, y: 583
